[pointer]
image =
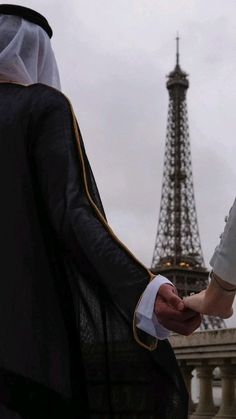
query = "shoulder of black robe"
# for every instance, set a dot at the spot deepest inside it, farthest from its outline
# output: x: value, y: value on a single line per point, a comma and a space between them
x: 70, y: 286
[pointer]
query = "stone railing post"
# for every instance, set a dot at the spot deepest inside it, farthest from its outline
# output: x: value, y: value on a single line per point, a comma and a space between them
x: 228, y: 403
x: 205, y: 350
x: 187, y: 375
x: 205, y: 408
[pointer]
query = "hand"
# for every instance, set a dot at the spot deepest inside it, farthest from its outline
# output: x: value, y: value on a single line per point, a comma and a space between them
x: 215, y: 300
x: 172, y: 313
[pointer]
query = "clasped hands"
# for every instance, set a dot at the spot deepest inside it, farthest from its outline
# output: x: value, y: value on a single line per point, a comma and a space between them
x: 172, y: 312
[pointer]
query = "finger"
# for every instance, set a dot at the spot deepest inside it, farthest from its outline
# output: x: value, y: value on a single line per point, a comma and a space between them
x: 175, y: 301
x: 184, y: 328
x: 169, y: 294
x: 176, y: 317
x: 191, y: 325
x: 195, y: 302
x: 164, y: 311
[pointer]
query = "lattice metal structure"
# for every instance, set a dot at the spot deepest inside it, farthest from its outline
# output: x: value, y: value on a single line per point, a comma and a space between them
x: 178, y: 253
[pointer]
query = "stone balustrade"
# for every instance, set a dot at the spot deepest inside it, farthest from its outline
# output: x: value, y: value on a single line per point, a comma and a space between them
x: 204, y: 351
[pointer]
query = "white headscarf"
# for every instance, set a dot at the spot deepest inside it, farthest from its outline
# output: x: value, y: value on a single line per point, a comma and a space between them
x: 26, y: 55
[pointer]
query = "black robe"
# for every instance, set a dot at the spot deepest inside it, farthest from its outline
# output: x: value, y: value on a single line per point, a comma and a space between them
x: 69, y: 287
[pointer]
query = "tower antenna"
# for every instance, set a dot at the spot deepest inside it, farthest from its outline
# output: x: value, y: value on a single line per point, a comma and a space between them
x: 177, y: 48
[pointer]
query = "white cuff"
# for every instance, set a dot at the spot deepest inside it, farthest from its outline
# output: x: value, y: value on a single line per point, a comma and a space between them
x: 145, y: 316
x: 223, y: 261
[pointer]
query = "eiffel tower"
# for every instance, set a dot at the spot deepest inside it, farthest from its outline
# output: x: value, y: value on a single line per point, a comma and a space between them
x: 178, y: 253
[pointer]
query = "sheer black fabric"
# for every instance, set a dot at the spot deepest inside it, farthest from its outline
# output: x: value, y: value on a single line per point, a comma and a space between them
x: 69, y: 288
x: 8, y: 414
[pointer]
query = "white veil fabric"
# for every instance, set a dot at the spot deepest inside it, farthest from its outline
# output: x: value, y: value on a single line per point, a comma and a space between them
x: 26, y: 54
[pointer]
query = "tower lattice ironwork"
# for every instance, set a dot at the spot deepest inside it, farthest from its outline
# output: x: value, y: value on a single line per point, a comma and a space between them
x: 178, y: 253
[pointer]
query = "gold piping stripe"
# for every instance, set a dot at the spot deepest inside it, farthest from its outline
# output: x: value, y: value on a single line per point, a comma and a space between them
x: 104, y: 221
x: 150, y: 347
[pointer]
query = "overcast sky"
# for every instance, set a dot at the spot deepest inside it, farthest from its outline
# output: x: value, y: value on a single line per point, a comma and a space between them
x: 114, y: 56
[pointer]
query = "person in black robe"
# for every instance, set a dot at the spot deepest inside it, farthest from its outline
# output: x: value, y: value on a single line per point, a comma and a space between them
x: 69, y: 346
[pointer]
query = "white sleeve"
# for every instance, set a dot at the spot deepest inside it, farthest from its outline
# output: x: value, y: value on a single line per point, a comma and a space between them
x: 223, y: 261
x: 145, y: 316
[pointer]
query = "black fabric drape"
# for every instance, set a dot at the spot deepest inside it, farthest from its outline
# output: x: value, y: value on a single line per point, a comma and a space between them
x: 69, y: 288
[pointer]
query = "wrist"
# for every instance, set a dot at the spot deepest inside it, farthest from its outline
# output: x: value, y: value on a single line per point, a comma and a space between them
x: 216, y: 281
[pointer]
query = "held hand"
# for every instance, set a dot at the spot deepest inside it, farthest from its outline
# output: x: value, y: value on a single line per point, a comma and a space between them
x: 172, y: 313
x: 215, y: 300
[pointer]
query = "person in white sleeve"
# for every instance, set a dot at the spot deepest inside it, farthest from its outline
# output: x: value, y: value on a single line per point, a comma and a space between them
x: 217, y: 299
